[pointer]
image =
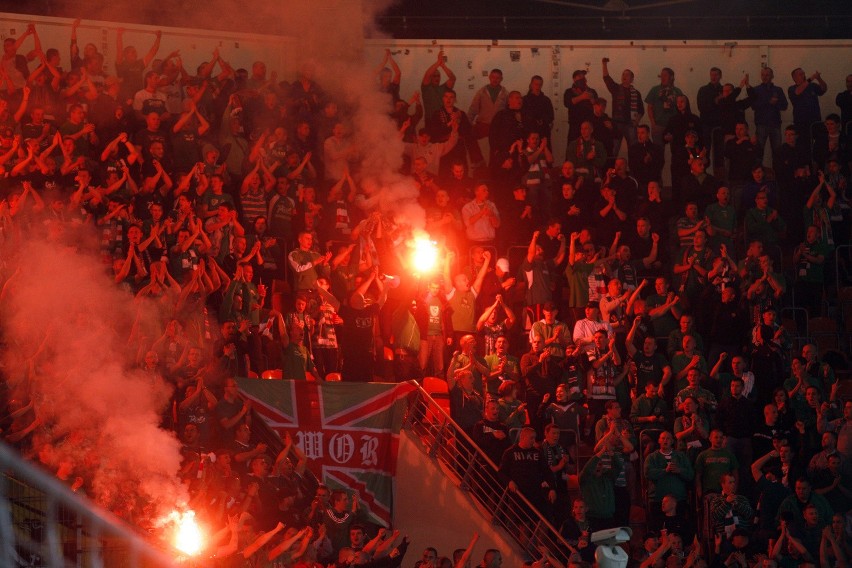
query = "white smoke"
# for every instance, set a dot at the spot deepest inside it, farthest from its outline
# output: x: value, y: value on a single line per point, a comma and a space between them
x: 376, y: 136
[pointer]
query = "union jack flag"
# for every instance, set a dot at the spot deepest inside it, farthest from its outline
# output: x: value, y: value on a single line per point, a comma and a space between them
x: 348, y: 431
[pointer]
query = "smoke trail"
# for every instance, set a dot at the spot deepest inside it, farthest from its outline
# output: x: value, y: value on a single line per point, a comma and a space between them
x: 376, y: 135
x: 336, y: 50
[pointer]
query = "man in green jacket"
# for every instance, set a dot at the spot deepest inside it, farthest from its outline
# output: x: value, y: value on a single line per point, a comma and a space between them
x: 597, y: 485
x: 668, y: 471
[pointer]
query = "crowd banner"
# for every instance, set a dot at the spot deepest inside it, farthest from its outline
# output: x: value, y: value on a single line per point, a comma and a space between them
x: 348, y: 431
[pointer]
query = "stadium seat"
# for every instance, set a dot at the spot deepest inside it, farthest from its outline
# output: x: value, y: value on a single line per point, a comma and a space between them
x: 437, y: 388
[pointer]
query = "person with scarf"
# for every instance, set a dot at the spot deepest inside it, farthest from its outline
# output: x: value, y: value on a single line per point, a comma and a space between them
x: 589, y: 155
x: 662, y: 103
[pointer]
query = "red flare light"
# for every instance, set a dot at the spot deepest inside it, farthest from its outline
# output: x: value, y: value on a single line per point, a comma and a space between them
x: 188, y: 538
x: 424, y: 255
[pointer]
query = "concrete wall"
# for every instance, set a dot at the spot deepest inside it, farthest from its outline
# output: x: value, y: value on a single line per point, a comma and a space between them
x: 196, y: 46
x: 432, y: 511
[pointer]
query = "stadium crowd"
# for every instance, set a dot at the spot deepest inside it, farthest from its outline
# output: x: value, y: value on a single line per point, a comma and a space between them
x: 576, y: 302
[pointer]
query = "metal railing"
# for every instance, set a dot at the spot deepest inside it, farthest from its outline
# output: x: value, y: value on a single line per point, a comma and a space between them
x: 43, y: 523
x: 442, y: 439
x: 847, y: 249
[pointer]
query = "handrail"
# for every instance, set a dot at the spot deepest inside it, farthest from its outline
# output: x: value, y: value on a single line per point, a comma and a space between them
x: 97, y: 523
x: 837, y: 278
x: 442, y: 439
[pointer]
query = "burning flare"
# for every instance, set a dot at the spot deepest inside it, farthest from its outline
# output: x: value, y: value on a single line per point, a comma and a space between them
x: 424, y: 256
x: 188, y: 536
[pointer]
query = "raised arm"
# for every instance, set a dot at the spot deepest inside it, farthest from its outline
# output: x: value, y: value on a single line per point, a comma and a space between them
x: 572, y: 248
x: 286, y: 544
x: 302, y: 165
x: 531, y: 247
x: 24, y: 164
x: 184, y: 117
x: 510, y: 315
x: 149, y: 57
x: 427, y: 76
x: 560, y: 252
x: 207, y: 67
x: 397, y: 74
x: 815, y: 193
x: 483, y: 270
x: 37, y: 49
x: 664, y: 547
x: 448, y: 280
x: 714, y: 372
x: 815, y: 77
x: 832, y: 194
x: 467, y: 551
x: 614, y: 246
x: 388, y: 60
x: 22, y: 108
x: 20, y: 41
x: 634, y: 296
x: 361, y: 291
x: 228, y: 423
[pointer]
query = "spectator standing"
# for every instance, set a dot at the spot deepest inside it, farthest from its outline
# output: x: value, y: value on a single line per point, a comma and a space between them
x: 627, y: 106
x: 661, y: 102
x: 769, y: 102
x: 578, y: 99
x: 804, y: 95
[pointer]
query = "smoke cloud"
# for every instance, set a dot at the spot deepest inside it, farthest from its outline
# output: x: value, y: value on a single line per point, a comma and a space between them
x: 65, y: 332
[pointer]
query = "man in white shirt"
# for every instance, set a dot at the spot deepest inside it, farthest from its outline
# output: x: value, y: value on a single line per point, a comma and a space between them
x: 584, y: 329
x: 481, y: 218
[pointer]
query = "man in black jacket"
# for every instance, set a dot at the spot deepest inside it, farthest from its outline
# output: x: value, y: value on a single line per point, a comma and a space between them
x: 524, y: 469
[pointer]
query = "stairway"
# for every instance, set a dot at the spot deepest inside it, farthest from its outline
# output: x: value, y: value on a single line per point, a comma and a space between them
x: 446, y: 488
